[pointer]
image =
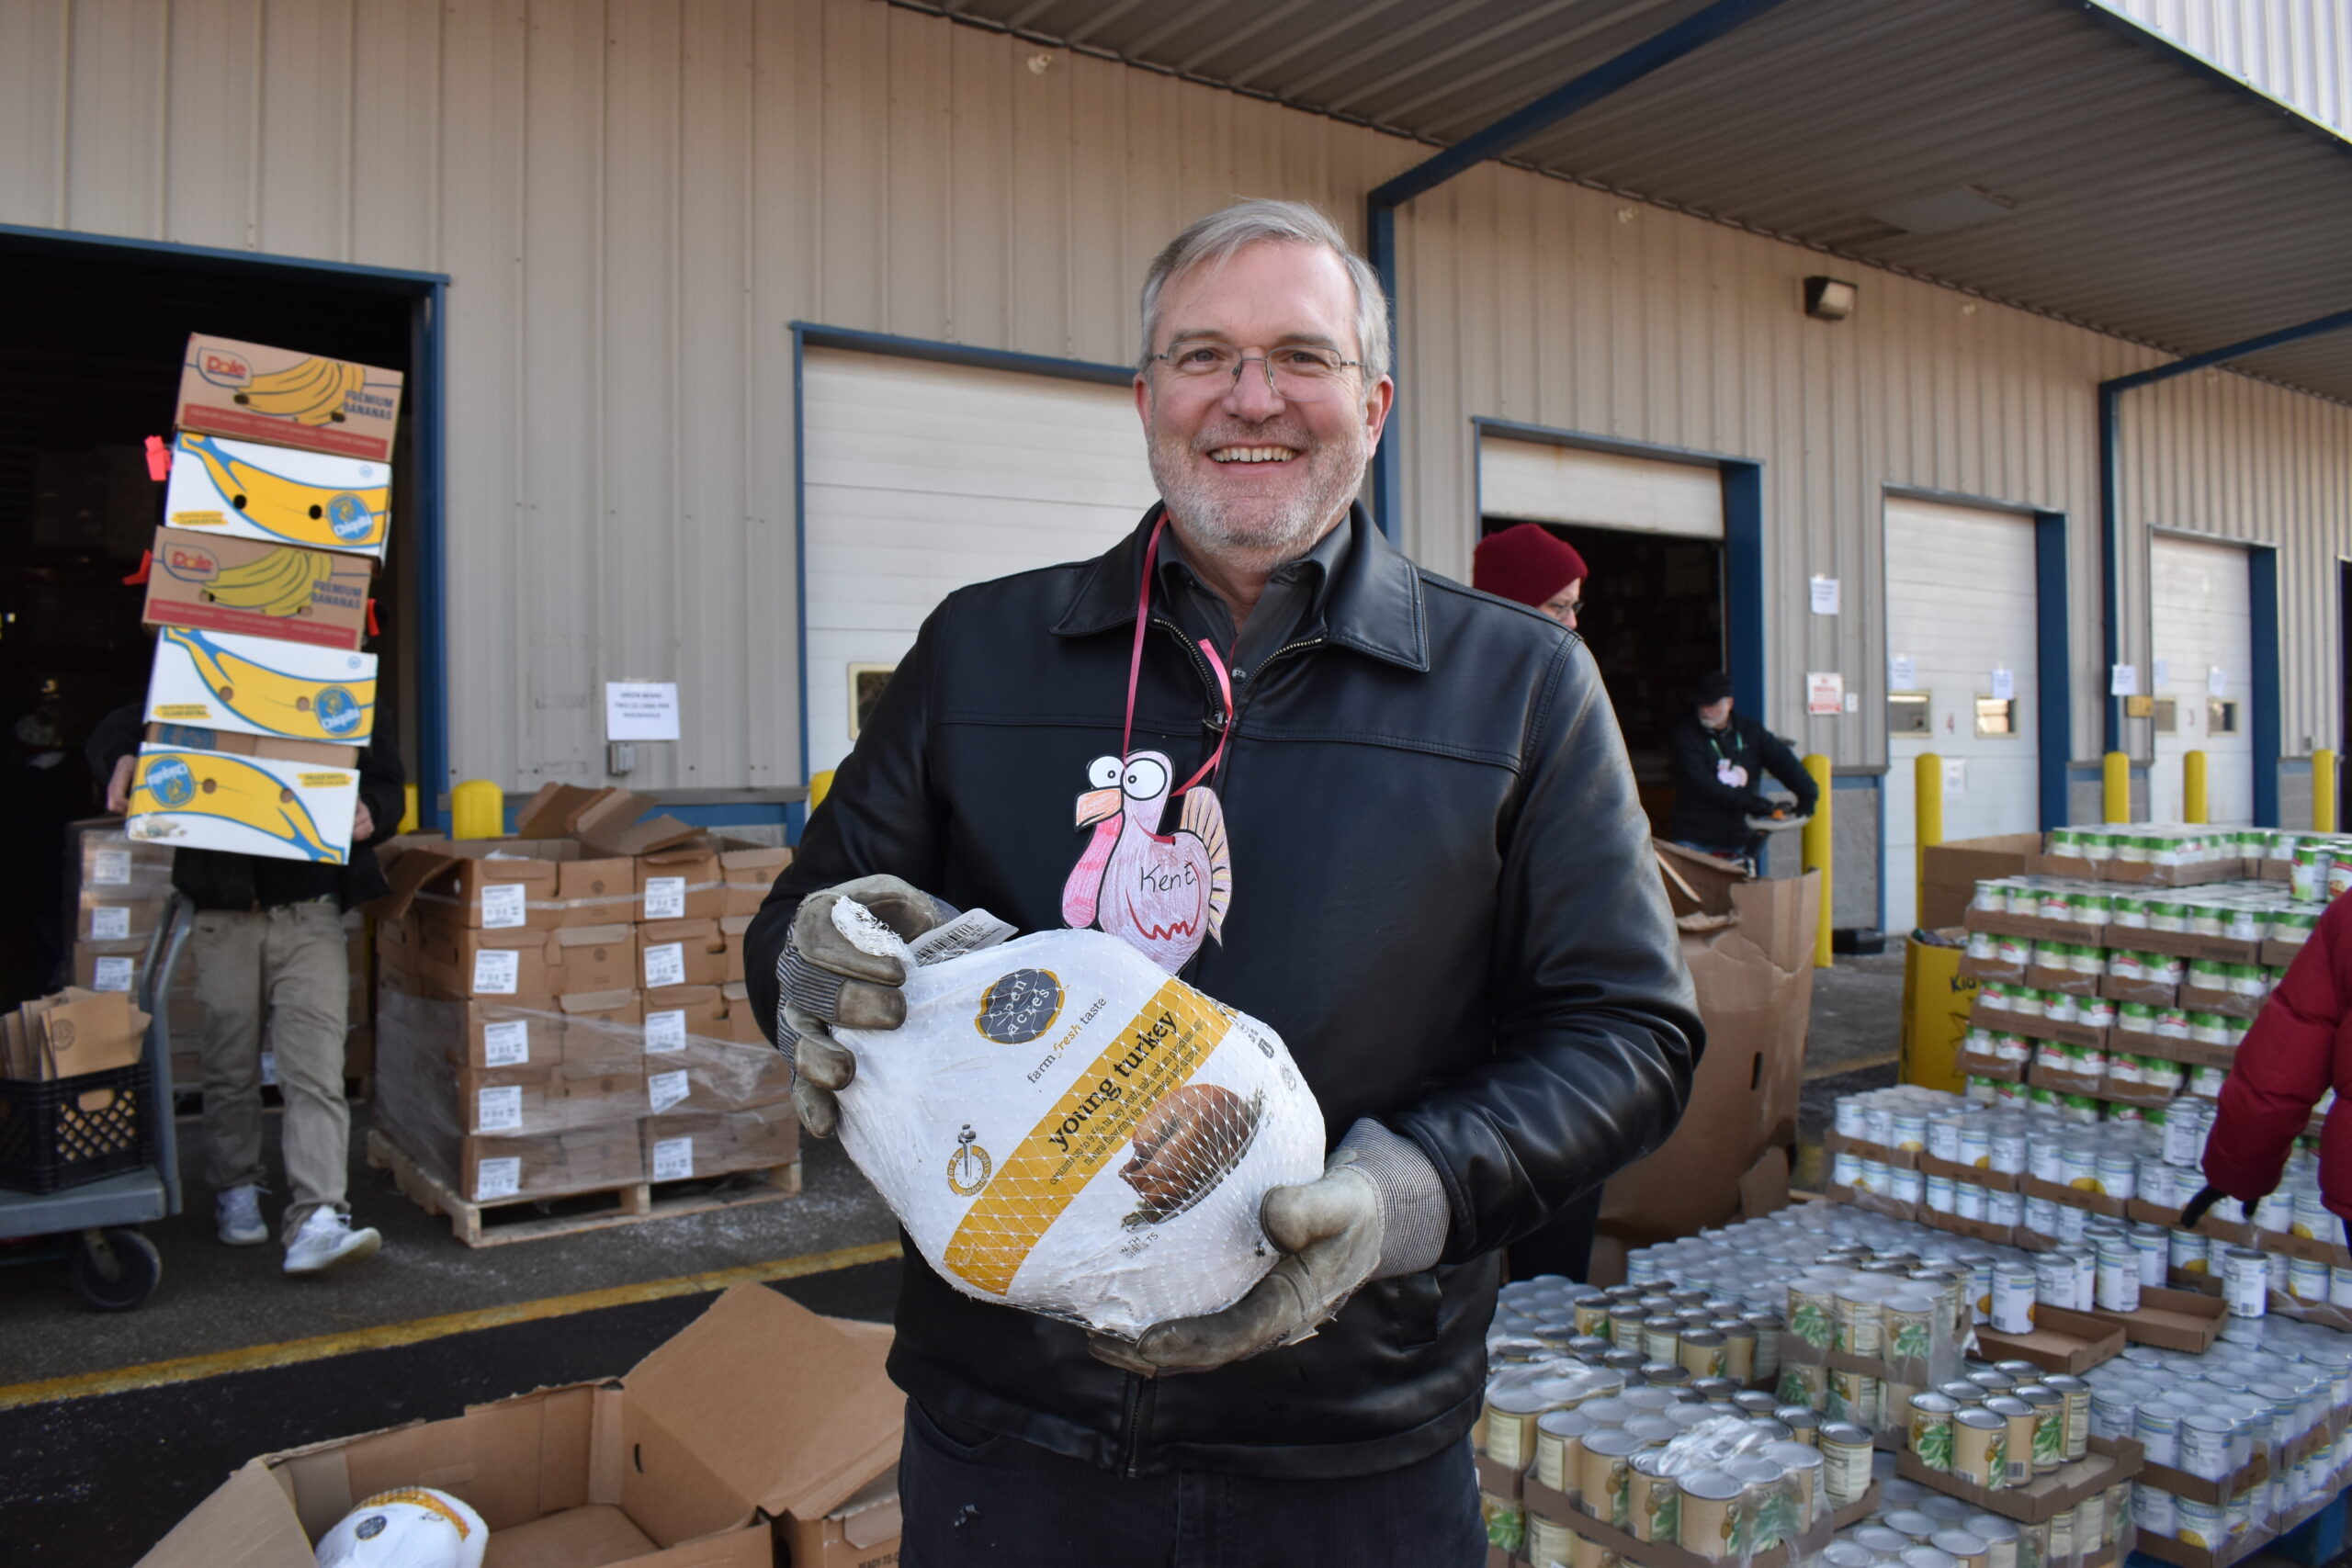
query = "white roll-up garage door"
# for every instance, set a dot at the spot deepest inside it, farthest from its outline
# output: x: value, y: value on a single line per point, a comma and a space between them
x: 2201, y: 624
x: 1533, y: 482
x: 922, y: 477
x: 1960, y: 610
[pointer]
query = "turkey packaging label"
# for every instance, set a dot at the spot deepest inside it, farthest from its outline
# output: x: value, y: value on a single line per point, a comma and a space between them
x: 1062, y: 1126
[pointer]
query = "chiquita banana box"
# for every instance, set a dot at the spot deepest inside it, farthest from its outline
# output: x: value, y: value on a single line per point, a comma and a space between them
x: 289, y: 398
x: 210, y: 583
x: 251, y: 805
x: 262, y: 686
x: 278, y: 494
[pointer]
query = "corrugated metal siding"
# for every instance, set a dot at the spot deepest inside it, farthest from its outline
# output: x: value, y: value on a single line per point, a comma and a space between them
x: 2299, y: 52
x: 634, y: 198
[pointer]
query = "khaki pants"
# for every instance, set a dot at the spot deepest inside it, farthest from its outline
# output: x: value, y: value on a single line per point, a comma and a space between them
x: 287, y: 966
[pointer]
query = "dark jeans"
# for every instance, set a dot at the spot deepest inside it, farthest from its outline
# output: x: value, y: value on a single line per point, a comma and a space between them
x: 973, y: 1499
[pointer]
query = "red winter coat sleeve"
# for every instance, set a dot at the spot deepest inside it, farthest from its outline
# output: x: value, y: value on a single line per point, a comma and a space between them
x: 2283, y: 1066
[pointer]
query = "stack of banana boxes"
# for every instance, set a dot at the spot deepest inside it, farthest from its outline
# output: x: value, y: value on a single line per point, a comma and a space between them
x: 259, y: 589
x: 563, y: 1011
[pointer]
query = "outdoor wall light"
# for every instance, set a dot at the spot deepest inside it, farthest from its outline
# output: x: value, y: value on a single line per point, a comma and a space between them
x: 1828, y: 299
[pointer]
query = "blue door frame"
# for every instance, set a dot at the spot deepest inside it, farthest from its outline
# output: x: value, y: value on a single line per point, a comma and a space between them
x: 427, y: 397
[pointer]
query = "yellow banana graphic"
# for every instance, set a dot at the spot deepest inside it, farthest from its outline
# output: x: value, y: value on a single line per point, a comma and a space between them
x: 340, y: 712
x: 206, y: 784
x: 309, y: 393
x: 279, y: 584
x: 301, y: 513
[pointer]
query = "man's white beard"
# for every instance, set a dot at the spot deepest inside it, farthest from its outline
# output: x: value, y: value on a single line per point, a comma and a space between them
x: 1281, y: 532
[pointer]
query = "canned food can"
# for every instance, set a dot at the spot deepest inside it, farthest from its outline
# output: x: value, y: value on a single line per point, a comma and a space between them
x: 2153, y: 1510
x: 1965, y: 1548
x: 1769, y: 1329
x: 1549, y: 1545
x: 1968, y: 1200
x: 2077, y: 1395
x: 1703, y: 1352
x: 1903, y: 1185
x: 2038, y: 1215
x: 1559, y: 1446
x: 2307, y: 1280
x: 1711, y: 1519
x: 1909, y: 1129
x: 1980, y: 1448
x: 2245, y: 1282
x: 1975, y: 1144
x: 1999, y: 1536
x: 1810, y: 1317
x: 2014, y: 1294
x: 1662, y: 1338
x: 1510, y: 1426
x: 2018, y: 1454
x: 1851, y: 1396
x: 1944, y: 1133
x: 1653, y: 1500
x: 1604, y: 1474
x: 2116, y: 1173
x: 2053, y: 1282
x: 2002, y: 1207
x: 2117, y: 1286
x: 2049, y: 1428
x: 1929, y: 1435
x: 1803, y: 1382
x: 1591, y: 1553
x: 1802, y: 1473
x: 1845, y: 1462
x: 1939, y: 1194
x: 2203, y: 1447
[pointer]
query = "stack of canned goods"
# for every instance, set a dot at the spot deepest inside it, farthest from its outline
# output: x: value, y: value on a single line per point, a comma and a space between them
x: 1916, y: 1527
x: 2210, y: 1415
x: 2163, y: 845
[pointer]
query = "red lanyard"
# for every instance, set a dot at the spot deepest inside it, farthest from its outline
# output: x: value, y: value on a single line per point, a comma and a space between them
x: 1134, y: 671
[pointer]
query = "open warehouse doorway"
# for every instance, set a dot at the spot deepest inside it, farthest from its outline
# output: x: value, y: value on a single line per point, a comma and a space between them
x: 97, y: 330
x: 1651, y: 532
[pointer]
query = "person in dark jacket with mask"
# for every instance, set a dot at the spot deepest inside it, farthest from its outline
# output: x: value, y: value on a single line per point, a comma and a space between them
x: 1436, y: 883
x: 1721, y: 760
x: 268, y: 951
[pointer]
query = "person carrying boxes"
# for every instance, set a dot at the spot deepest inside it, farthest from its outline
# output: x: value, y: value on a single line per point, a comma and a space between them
x: 269, y: 941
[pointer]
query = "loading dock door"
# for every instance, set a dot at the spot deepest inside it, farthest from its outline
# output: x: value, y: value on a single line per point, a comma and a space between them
x: 922, y: 477
x: 2202, y: 630
x: 1960, y: 607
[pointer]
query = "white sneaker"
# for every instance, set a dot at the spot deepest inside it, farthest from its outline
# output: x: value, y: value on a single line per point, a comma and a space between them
x: 326, y: 1240
x: 237, y: 1212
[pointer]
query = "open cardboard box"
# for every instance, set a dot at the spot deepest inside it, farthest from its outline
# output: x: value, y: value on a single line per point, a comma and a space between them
x: 1950, y: 872
x: 760, y: 1419
x: 2062, y: 1341
x: 2045, y: 1496
x: 1750, y: 946
x: 2171, y: 1320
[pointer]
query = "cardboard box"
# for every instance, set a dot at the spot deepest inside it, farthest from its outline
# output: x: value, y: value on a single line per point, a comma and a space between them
x: 691, y: 1064
x: 2230, y: 1004
x: 244, y: 804
x: 683, y: 1146
x: 2044, y: 1497
x: 239, y: 490
x: 2062, y: 1341
x: 1750, y: 946
x: 508, y: 883
x: 252, y: 589
x: 108, y: 965
x: 2172, y: 1320
x: 681, y: 883
x: 454, y: 962
x: 760, y: 1419
x: 266, y: 748
x: 1564, y: 1509
x: 1950, y: 872
x: 682, y: 953
x: 595, y: 958
x: 525, y: 1102
x: 72, y: 1032
x: 287, y: 398
x: 2071, y: 981
x: 99, y: 918
x: 609, y: 821
x: 748, y: 873
x: 590, y: 1158
x: 602, y: 1026
x: 262, y: 686
x: 2185, y: 944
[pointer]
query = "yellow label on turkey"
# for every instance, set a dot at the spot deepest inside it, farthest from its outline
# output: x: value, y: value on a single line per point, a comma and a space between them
x: 259, y: 685
x: 251, y: 805
x: 1160, y: 1050
x: 274, y: 493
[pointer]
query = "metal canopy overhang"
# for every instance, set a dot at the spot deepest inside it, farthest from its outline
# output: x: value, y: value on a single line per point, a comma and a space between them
x: 2045, y: 153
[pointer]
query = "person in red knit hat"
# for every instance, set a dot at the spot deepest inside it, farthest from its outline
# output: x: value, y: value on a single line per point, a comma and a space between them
x: 1529, y: 563
x: 2297, y: 1050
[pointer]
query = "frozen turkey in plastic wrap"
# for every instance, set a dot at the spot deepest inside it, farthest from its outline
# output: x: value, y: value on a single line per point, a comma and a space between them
x: 1063, y: 1126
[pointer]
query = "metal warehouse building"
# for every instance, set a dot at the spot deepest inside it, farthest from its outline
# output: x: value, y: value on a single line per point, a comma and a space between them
x: 739, y: 331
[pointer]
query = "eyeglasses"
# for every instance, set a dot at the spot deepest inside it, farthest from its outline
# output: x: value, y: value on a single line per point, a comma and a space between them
x: 1298, y: 373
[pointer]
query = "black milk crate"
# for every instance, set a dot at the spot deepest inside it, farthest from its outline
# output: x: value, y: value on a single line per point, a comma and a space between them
x: 66, y: 1132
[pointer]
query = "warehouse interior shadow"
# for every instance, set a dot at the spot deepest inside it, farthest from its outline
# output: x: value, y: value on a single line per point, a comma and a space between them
x: 96, y: 333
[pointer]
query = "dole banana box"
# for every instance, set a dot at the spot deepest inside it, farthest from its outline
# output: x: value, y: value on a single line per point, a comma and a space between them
x: 253, y: 806
x: 279, y: 495
x: 262, y: 686
x: 289, y: 398
x: 249, y: 588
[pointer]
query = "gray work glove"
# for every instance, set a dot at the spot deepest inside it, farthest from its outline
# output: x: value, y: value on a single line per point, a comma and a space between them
x: 822, y: 979
x: 1377, y: 1212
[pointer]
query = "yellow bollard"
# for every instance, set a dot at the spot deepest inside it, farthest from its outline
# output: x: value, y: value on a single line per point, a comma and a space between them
x: 2114, y: 794
x: 2324, y: 790
x: 477, y: 810
x: 1817, y: 855
x: 409, y: 819
x: 2192, y: 786
x: 819, y: 787
x: 1927, y: 811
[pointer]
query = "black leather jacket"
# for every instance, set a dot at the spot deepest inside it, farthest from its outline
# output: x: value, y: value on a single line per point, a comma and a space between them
x: 1444, y: 899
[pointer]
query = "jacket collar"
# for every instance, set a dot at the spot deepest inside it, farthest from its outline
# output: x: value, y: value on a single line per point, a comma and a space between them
x: 1374, y: 604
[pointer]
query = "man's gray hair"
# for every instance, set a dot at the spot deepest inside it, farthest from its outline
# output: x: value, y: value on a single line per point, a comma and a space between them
x: 1215, y: 239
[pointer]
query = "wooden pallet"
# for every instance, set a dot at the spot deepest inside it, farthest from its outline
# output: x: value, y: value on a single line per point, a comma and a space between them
x: 530, y: 1218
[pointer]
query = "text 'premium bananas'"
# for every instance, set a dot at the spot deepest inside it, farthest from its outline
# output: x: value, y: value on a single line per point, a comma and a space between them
x: 244, y: 586
x: 289, y: 398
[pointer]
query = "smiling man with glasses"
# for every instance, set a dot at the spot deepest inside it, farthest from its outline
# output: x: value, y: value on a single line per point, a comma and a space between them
x: 1406, y: 836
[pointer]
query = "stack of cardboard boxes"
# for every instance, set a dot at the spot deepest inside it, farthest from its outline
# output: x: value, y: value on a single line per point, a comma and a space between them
x: 564, y: 1011
x: 259, y: 583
